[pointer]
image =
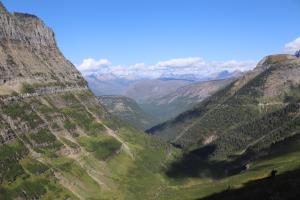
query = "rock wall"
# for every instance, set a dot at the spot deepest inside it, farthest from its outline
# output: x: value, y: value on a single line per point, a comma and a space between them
x: 27, y: 29
x: 28, y: 52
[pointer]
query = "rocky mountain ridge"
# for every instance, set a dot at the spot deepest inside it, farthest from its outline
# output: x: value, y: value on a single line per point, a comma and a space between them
x: 29, y: 54
x: 26, y: 28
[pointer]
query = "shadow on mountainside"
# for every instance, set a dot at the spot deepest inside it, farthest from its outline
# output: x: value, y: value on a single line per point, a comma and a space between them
x: 197, y: 164
x: 281, y: 187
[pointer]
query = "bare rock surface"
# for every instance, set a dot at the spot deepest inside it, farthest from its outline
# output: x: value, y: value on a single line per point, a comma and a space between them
x: 29, y: 53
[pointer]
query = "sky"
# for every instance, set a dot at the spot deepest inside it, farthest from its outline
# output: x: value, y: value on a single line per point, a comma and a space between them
x: 127, y: 37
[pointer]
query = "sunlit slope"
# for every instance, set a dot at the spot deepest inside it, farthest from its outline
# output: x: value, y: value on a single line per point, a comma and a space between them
x: 65, y: 145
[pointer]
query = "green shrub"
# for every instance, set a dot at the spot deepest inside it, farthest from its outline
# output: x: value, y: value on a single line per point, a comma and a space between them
x: 14, y: 93
x: 70, y: 143
x: 34, y: 166
x: 27, y: 88
x: 69, y: 125
x: 95, y: 128
x: 24, y: 111
x: 34, y: 189
x: 82, y: 118
x: 10, y: 168
x: 102, y: 148
x: 43, y: 136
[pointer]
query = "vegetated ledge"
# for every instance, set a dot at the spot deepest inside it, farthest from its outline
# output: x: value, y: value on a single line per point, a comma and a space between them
x: 42, y: 91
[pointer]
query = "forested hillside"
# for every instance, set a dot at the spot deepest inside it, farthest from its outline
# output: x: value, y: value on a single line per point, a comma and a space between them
x: 255, y: 111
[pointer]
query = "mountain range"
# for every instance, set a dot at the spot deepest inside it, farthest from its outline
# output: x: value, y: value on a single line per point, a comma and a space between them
x: 169, y: 105
x: 161, y: 99
x: 107, y: 84
x: 111, y: 84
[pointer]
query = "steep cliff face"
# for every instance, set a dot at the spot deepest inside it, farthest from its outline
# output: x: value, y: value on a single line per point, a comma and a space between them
x: 28, y: 53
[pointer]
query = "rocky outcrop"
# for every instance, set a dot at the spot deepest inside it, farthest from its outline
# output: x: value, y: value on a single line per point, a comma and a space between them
x: 26, y: 29
x: 283, y: 72
x: 29, y: 53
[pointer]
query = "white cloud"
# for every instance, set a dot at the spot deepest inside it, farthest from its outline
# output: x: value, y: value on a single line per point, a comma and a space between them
x: 91, y: 64
x: 174, y: 67
x: 292, y: 47
x: 196, y: 66
x: 180, y: 62
x: 200, y: 67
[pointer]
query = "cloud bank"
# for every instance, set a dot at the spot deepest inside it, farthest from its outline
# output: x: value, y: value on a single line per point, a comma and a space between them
x: 195, y: 66
x: 91, y: 64
x: 190, y: 66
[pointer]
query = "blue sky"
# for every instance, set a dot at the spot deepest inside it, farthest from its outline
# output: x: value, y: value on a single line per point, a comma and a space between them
x: 126, y: 32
